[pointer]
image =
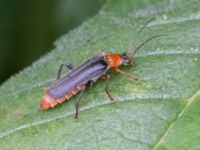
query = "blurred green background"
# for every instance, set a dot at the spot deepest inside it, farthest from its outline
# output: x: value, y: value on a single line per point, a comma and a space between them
x: 28, y: 28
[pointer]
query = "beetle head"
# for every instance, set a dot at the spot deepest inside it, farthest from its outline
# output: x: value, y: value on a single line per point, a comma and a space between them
x: 126, y: 58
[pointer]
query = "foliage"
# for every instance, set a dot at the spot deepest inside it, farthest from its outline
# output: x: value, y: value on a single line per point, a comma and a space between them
x: 160, y: 111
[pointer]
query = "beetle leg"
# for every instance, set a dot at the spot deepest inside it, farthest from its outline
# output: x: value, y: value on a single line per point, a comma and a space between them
x: 78, y: 102
x: 107, y: 78
x: 126, y: 74
x: 69, y: 66
x: 79, y: 98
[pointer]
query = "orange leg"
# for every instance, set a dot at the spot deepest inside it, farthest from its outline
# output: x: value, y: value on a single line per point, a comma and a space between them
x: 130, y: 77
x: 107, y: 78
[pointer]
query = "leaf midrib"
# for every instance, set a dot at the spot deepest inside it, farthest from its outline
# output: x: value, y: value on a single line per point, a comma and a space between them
x: 179, y: 115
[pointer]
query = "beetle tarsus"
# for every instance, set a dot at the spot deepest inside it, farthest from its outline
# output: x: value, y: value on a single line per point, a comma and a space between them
x: 133, y: 78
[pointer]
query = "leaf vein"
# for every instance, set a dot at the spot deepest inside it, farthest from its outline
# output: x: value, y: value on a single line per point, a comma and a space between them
x: 92, y: 106
x: 164, y: 135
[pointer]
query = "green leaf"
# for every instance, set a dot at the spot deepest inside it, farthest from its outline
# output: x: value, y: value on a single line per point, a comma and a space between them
x: 160, y: 111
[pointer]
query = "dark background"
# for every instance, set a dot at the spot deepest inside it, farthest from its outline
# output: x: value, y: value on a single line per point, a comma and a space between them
x: 28, y: 28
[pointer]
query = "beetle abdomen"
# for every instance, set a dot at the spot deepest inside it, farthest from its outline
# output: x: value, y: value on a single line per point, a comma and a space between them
x: 47, y: 101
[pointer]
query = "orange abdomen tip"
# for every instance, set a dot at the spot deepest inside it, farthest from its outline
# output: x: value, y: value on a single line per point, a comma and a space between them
x: 45, y: 101
x: 44, y: 104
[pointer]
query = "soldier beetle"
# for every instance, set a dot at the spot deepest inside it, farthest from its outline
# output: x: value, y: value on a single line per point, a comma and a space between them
x: 85, y: 74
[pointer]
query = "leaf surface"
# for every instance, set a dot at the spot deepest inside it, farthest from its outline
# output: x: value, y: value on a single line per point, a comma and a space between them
x: 160, y: 111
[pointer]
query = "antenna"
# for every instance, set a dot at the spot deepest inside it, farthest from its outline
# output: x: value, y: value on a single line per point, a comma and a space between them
x: 143, y: 27
x: 142, y: 44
